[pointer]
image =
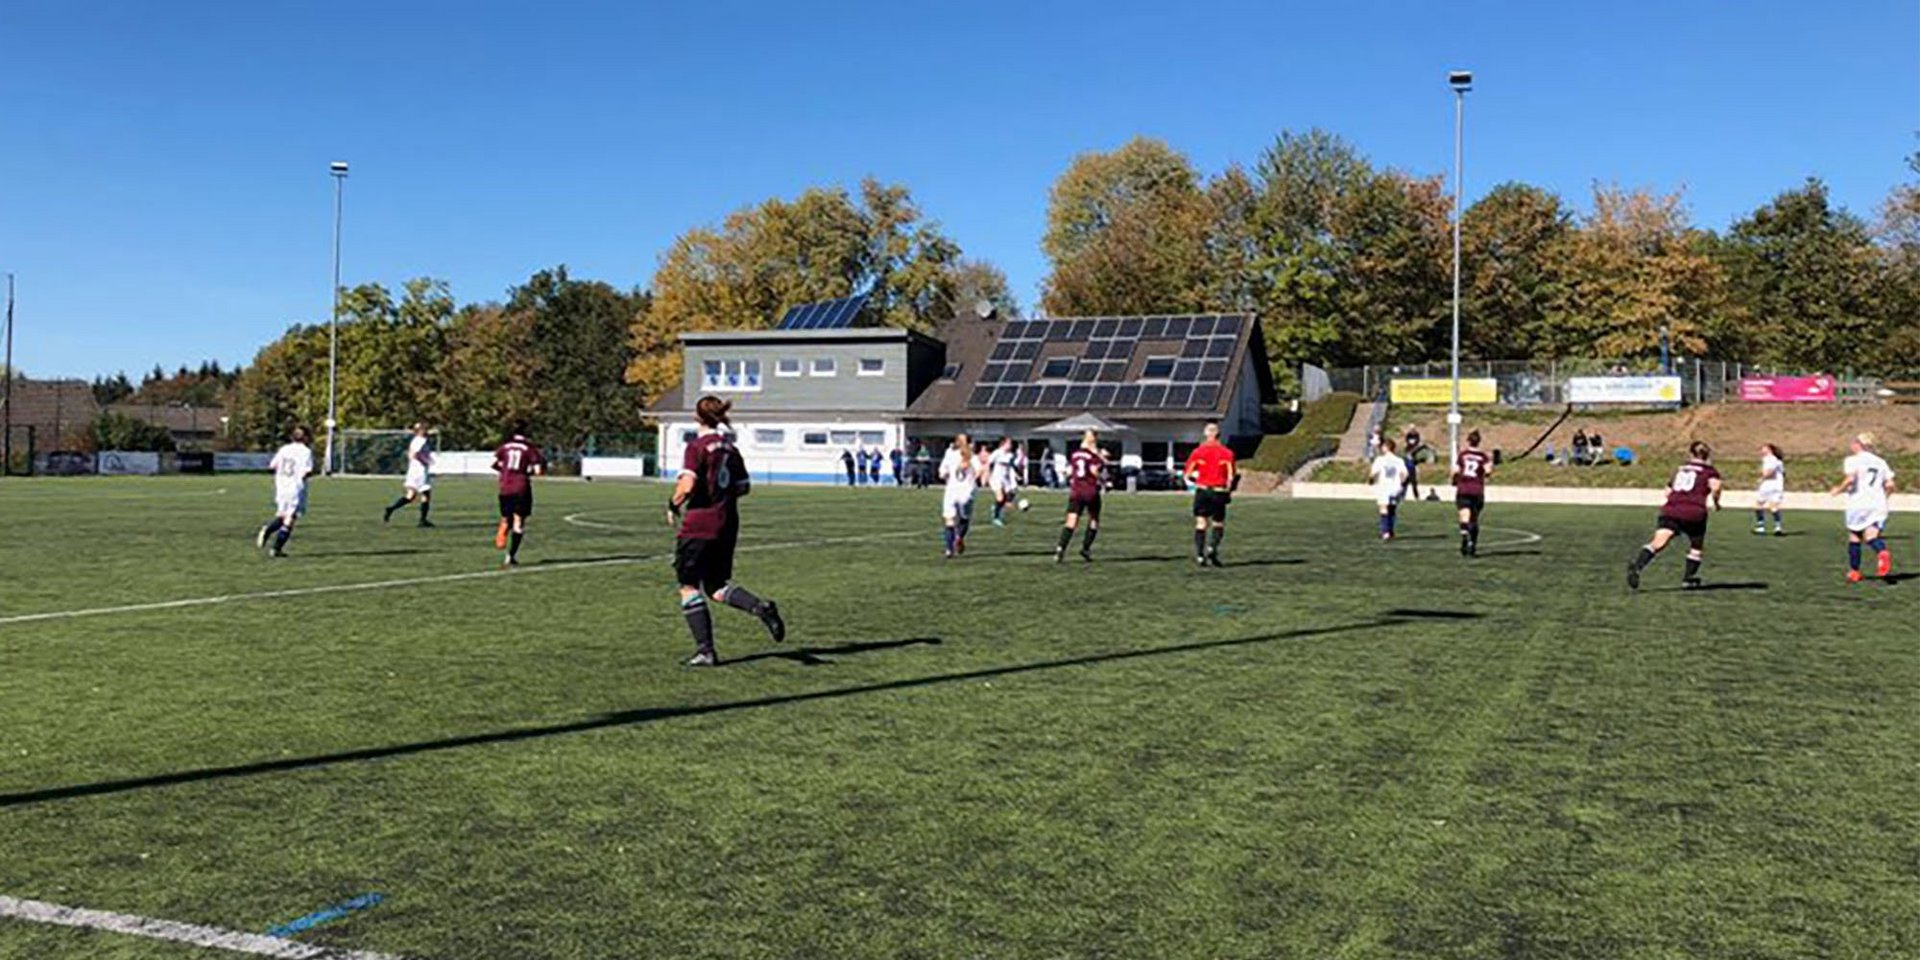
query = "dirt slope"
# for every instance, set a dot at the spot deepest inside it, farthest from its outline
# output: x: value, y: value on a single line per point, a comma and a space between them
x: 1731, y: 427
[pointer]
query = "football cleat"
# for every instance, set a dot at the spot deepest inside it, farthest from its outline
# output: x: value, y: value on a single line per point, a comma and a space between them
x: 1853, y: 576
x: 425, y: 524
x: 386, y: 516
x: 1759, y: 530
x: 1060, y: 555
x: 960, y: 546
x: 1883, y: 565
x: 260, y: 539
x: 510, y: 562
x: 500, y: 537
x: 1213, y: 558
x: 1201, y: 559
x: 705, y: 658
x: 770, y: 618
x: 948, y: 554
x: 1633, y: 577
x: 1691, y: 583
x: 1086, y: 555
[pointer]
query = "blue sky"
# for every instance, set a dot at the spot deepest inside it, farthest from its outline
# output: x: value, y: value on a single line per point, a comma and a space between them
x: 164, y: 194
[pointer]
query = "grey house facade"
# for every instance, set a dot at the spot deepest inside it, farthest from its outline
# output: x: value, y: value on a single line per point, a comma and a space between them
x: 801, y: 398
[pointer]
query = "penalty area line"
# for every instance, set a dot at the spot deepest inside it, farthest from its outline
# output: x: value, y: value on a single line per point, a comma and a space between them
x: 194, y: 934
x: 420, y: 581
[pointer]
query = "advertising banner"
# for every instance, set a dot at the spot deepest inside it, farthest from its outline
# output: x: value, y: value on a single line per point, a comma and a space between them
x: 1623, y: 390
x: 1788, y: 390
x: 1440, y: 390
x: 193, y: 461
x: 126, y: 463
x: 242, y: 462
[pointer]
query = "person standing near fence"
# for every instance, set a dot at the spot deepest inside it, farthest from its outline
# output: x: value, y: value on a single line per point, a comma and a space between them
x: 1411, y: 452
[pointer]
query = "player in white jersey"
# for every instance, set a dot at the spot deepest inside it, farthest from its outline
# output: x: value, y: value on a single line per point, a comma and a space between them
x: 419, y: 482
x: 960, y: 471
x: 1772, y: 492
x: 1003, y: 476
x: 1868, y: 481
x: 1389, y: 478
x: 292, y: 464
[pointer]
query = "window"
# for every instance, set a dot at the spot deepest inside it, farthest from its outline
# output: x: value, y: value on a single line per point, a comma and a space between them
x: 844, y: 438
x: 787, y: 367
x: 1157, y: 368
x: 952, y: 372
x: 769, y: 438
x: 872, y: 367
x: 730, y: 375
x: 824, y: 367
x: 813, y: 439
x: 872, y: 438
x: 1058, y: 368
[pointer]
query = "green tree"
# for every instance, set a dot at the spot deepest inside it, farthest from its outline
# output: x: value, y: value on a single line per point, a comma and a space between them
x: 1807, y: 273
x: 1637, y: 271
x: 1513, y: 253
x: 579, y: 334
x: 117, y: 431
x: 1127, y: 232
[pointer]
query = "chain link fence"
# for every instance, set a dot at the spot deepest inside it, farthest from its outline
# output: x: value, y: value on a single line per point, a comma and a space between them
x: 1523, y: 383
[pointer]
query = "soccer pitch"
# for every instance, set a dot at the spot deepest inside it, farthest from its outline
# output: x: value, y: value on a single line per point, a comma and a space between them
x: 1331, y: 748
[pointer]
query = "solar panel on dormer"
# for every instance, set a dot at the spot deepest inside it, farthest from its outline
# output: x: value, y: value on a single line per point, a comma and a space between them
x: 1109, y: 363
x: 825, y: 315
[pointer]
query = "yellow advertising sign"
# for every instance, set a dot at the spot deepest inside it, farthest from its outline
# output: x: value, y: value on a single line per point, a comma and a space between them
x: 1440, y: 390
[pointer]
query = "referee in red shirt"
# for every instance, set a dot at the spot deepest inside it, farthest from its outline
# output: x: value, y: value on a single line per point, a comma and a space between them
x: 1211, y: 473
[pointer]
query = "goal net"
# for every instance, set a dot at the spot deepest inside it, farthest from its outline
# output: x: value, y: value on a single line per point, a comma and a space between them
x: 374, y: 452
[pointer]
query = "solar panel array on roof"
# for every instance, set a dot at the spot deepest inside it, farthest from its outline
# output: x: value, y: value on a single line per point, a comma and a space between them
x: 825, y: 315
x: 1124, y: 363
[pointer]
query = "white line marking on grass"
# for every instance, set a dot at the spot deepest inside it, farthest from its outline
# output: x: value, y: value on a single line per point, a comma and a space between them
x: 189, y: 933
x: 580, y: 520
x: 421, y: 581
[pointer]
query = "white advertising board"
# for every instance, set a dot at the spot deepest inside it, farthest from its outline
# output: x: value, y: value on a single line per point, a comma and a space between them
x: 1623, y: 390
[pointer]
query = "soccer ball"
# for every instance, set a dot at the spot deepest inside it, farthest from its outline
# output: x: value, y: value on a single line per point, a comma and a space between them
x: 1024, y: 504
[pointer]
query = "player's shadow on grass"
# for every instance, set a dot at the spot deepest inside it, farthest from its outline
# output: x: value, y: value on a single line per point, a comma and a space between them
x: 820, y: 656
x: 641, y: 717
x: 395, y: 552
x: 1715, y: 587
x: 1894, y: 580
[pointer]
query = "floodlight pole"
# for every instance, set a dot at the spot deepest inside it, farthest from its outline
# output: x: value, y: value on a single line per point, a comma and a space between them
x: 1461, y: 81
x: 6, y: 401
x: 339, y: 172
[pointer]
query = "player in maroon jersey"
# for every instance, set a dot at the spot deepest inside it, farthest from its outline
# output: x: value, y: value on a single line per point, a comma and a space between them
x: 1470, y: 473
x: 1086, y: 475
x: 706, y: 502
x: 1692, y: 494
x: 517, y: 461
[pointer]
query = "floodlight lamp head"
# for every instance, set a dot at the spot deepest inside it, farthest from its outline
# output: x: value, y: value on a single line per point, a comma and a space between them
x: 1461, y: 80
x: 984, y: 309
x: 338, y: 168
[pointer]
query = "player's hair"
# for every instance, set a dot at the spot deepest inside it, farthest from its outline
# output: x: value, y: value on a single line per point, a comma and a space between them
x: 1473, y: 438
x: 1386, y: 443
x: 419, y: 427
x: 1699, y: 450
x: 1090, y: 440
x: 300, y: 434
x: 1865, y: 439
x: 1213, y: 428
x: 712, y: 412
x: 517, y: 429
x: 1772, y: 448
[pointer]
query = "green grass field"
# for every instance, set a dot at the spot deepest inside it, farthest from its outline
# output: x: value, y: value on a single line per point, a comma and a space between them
x: 1650, y: 473
x: 1332, y: 748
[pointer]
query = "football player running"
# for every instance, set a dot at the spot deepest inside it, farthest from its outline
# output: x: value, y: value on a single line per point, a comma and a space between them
x: 1086, y: 476
x: 1694, y: 487
x: 1867, y: 482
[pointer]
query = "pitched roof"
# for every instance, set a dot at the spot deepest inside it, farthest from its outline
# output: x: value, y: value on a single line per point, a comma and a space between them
x: 52, y: 407
x: 1184, y: 367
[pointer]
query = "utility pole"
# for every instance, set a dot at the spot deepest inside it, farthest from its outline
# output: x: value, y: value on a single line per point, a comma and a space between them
x: 338, y: 170
x: 6, y: 401
x: 1461, y: 81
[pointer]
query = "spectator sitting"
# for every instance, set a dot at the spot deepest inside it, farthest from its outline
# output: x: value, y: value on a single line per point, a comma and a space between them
x: 1597, y: 446
x: 1580, y: 454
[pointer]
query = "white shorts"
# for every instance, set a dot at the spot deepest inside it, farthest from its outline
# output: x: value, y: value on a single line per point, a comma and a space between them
x: 1770, y: 496
x: 1005, y: 489
x: 419, y: 479
x: 290, y: 503
x: 956, y: 508
x: 1386, y: 499
x: 1859, y: 520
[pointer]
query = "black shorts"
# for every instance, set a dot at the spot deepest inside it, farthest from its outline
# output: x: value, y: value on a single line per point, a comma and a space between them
x: 1694, y: 530
x: 1211, y: 504
x: 705, y: 565
x: 1088, y: 505
x: 1470, y: 501
x: 516, y: 505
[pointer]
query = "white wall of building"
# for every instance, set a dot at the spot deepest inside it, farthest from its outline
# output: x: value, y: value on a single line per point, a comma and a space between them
x: 791, y: 451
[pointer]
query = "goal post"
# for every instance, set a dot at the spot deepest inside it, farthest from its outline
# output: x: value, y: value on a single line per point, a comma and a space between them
x: 375, y: 453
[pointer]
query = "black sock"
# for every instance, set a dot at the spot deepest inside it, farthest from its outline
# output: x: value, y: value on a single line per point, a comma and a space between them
x: 1693, y: 567
x: 397, y: 504
x: 1199, y: 543
x: 1759, y: 518
x: 1473, y: 533
x: 280, y: 537
x: 740, y: 599
x: 425, y: 505
x: 1213, y: 539
x: 1066, y: 537
x: 1086, y: 543
x: 513, y: 544
x: 1466, y: 532
x: 700, y: 621
x: 273, y: 526
x: 1644, y: 557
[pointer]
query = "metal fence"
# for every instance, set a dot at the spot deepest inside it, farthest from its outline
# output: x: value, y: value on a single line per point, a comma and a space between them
x: 1524, y: 383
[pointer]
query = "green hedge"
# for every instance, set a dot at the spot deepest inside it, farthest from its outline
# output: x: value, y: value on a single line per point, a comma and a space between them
x: 1316, y: 435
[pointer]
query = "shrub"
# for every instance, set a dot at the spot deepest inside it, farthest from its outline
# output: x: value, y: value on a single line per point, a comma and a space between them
x: 1317, y: 434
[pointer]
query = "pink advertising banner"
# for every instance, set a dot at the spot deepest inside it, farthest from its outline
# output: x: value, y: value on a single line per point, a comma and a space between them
x: 1787, y: 389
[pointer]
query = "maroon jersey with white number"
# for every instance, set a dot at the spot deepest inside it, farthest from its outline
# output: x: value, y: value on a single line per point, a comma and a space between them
x: 516, y: 460
x: 1084, y: 469
x: 1470, y: 474
x: 1690, y: 490
x: 719, y: 481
